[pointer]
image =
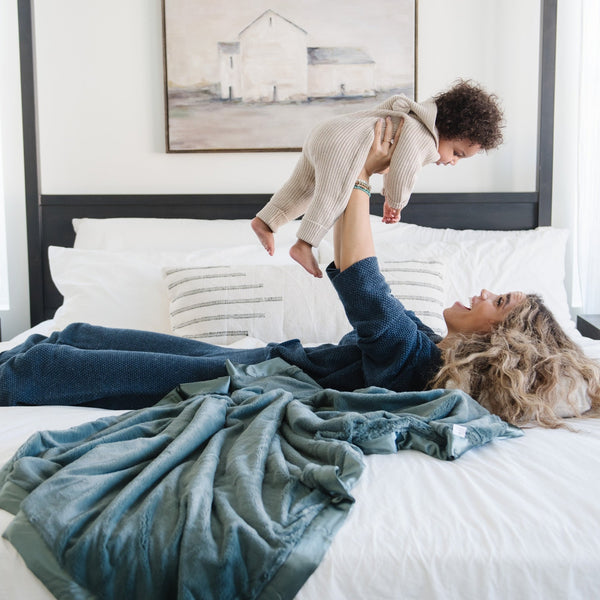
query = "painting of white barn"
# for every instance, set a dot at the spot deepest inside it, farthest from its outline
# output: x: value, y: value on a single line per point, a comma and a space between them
x: 252, y: 79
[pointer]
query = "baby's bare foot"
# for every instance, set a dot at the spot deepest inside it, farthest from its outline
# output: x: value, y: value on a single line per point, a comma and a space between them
x: 302, y: 253
x: 264, y: 234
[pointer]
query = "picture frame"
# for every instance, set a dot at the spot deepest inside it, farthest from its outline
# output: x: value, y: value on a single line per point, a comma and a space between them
x: 256, y: 77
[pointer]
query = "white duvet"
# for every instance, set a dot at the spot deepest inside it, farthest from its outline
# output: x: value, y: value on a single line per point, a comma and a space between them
x: 516, y: 519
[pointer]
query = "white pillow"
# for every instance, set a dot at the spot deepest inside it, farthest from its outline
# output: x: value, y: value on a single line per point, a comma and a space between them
x: 529, y: 260
x: 181, y: 235
x: 222, y: 305
x: 125, y: 289
x: 420, y: 284
x: 532, y: 261
x: 109, y: 289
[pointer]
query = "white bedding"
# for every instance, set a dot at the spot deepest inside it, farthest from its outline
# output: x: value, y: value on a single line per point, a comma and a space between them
x: 515, y: 519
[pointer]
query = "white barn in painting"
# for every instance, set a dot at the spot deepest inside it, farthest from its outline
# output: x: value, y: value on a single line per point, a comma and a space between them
x: 271, y: 62
x: 340, y: 72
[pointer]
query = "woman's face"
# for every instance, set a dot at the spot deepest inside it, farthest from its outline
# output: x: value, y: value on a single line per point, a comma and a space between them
x: 485, y: 311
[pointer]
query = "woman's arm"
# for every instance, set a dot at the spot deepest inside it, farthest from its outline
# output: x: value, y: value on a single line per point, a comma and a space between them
x: 398, y: 350
x: 353, y: 239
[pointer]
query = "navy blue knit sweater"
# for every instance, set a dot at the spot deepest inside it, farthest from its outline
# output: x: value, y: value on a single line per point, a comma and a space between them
x: 389, y: 346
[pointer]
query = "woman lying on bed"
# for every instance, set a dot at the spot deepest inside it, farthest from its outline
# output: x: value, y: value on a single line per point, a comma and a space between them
x: 507, y: 350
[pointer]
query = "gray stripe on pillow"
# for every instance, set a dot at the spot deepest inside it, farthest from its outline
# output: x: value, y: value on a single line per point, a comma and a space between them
x: 221, y: 318
x: 221, y: 288
x: 407, y: 270
x: 416, y: 283
x: 215, y: 334
x: 405, y: 298
x: 196, y: 277
x: 224, y: 301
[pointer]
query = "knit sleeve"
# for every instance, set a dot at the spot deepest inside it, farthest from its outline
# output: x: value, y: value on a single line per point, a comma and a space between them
x: 397, y: 352
x: 417, y: 148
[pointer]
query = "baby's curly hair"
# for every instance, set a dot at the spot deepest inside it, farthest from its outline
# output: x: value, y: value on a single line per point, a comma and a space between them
x: 467, y: 112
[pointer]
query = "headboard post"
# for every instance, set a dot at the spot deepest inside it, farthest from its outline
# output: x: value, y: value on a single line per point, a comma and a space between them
x: 546, y: 112
x: 30, y: 151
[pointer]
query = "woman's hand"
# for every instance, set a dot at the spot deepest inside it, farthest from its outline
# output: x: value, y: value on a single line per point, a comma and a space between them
x: 382, y: 148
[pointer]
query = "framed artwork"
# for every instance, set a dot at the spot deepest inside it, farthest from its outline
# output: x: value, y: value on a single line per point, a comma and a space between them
x: 256, y: 76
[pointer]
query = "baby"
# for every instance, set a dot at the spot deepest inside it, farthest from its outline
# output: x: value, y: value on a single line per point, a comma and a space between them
x: 453, y: 125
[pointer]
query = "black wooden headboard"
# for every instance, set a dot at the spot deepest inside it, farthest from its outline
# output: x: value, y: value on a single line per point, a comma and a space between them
x: 49, y: 216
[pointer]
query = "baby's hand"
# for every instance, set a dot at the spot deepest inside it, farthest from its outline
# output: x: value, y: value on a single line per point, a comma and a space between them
x: 390, y: 215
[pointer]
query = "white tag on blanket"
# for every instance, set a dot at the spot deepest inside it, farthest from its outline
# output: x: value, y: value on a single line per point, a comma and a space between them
x: 459, y: 430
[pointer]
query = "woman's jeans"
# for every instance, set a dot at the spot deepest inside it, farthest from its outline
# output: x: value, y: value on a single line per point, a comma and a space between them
x: 112, y: 368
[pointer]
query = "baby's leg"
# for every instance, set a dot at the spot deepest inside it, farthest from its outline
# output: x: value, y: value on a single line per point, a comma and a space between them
x: 286, y: 204
x: 302, y: 253
x: 332, y: 193
x: 334, y: 184
x: 264, y: 234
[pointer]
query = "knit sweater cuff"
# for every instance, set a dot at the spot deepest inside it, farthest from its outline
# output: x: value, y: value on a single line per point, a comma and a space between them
x: 272, y: 216
x: 311, y: 232
x: 364, y: 269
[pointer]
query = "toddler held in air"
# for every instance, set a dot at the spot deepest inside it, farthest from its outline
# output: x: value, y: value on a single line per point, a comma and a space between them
x: 453, y: 125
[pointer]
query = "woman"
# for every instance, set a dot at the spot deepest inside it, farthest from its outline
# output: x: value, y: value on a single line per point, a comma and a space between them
x: 507, y: 351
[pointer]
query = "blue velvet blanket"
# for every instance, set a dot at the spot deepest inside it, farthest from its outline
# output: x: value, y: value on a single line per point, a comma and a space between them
x: 231, y: 488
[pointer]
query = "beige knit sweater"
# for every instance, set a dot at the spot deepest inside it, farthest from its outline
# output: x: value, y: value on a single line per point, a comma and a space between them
x: 333, y: 155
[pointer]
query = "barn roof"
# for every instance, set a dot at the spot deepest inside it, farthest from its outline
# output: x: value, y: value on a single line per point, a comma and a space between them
x: 229, y: 47
x: 273, y: 13
x: 324, y: 55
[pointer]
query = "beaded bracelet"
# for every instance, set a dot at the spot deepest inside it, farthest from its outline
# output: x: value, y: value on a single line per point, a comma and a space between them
x: 363, y: 186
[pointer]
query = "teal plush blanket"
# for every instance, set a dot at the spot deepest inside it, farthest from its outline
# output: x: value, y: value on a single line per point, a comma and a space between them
x: 231, y: 488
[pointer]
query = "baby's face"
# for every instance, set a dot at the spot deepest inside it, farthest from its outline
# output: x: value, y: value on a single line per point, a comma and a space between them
x: 451, y: 151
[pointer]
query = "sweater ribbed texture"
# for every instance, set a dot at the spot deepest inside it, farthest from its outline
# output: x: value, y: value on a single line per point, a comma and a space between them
x: 333, y: 155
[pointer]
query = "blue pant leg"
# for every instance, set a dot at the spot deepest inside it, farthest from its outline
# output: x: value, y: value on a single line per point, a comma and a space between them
x: 31, y: 341
x: 121, y: 369
x: 93, y: 337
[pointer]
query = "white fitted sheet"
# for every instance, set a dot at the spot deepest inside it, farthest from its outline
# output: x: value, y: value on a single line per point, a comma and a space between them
x: 514, y: 519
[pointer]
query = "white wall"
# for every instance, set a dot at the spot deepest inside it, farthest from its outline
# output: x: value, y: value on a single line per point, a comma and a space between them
x: 12, y: 191
x: 565, y: 132
x: 457, y: 39
x: 4, y: 295
x: 101, y: 110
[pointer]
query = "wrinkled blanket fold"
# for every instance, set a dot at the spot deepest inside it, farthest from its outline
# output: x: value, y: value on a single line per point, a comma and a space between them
x: 231, y: 488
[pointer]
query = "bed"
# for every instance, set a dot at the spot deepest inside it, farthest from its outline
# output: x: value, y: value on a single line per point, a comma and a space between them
x: 514, y: 518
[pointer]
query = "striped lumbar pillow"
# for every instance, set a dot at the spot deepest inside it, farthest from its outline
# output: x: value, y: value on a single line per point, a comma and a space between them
x: 224, y: 304
x: 420, y: 285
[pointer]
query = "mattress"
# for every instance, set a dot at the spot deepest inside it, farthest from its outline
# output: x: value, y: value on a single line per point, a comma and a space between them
x: 516, y: 518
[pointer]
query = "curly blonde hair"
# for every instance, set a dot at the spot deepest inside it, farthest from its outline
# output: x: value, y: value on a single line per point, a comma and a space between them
x: 522, y: 369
